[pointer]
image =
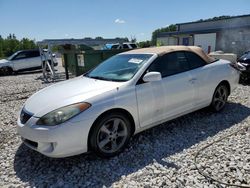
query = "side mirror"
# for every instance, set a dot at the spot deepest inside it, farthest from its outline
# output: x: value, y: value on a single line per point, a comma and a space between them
x: 152, y: 77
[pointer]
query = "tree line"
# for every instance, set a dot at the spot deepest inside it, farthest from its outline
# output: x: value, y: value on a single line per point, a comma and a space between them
x: 153, y: 41
x: 11, y: 44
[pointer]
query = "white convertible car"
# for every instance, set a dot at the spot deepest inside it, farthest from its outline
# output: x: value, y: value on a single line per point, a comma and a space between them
x: 124, y: 95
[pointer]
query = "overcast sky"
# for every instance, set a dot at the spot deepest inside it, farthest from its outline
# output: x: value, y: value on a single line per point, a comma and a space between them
x: 106, y: 18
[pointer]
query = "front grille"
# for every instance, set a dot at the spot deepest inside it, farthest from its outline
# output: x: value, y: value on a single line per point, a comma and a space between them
x: 25, y: 116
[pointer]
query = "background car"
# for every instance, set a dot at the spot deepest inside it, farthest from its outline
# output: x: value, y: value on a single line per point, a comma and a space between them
x: 126, y: 45
x: 126, y: 94
x: 244, y: 65
x: 23, y: 60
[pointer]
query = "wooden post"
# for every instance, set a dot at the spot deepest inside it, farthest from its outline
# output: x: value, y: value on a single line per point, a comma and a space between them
x: 66, y: 47
x: 66, y: 66
x: 76, y: 64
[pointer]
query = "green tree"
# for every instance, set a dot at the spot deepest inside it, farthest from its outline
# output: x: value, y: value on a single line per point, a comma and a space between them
x: 11, y: 44
x: 133, y: 39
x: 98, y: 38
x: 26, y: 43
x: 144, y: 44
x: 215, y: 18
x: 155, y: 33
x: 1, y: 47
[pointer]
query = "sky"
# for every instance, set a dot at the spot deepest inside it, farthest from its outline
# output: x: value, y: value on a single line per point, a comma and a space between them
x: 58, y: 19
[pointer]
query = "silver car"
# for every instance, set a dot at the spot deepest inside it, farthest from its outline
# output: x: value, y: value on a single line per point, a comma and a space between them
x: 23, y: 60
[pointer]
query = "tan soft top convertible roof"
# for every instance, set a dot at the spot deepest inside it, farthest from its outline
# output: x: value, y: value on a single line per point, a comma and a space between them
x: 167, y: 49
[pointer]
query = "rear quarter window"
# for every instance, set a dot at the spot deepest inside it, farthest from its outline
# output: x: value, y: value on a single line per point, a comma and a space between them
x: 194, y: 60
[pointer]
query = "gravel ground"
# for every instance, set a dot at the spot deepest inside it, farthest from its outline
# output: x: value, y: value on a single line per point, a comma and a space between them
x: 160, y: 157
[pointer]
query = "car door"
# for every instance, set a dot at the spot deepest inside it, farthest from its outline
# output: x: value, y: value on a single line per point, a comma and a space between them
x: 20, y: 61
x: 202, y: 78
x: 34, y: 59
x: 169, y: 97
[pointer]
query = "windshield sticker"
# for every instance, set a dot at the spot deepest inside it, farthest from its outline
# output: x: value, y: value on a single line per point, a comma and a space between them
x: 135, y: 60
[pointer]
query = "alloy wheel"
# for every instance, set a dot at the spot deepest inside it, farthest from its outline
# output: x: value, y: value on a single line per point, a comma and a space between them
x: 112, y: 135
x: 5, y: 71
x: 220, y: 97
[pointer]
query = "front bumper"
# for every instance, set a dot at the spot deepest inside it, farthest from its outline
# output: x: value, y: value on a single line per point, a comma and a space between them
x: 66, y: 139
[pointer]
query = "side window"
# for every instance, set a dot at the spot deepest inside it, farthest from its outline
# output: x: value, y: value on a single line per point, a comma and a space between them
x: 133, y: 45
x: 194, y: 60
x: 170, y: 64
x: 125, y: 46
x: 21, y: 55
x: 114, y: 46
x: 34, y: 54
x: 29, y: 54
x: 37, y: 53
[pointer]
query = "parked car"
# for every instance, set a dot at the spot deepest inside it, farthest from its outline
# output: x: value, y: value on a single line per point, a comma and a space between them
x: 243, y: 64
x: 23, y: 60
x: 126, y: 94
x: 126, y: 45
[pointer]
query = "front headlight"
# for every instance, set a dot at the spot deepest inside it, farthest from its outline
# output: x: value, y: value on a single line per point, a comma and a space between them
x: 241, y: 66
x: 63, y: 114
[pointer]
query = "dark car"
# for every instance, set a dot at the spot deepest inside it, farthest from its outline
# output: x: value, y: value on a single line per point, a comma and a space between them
x: 244, y: 65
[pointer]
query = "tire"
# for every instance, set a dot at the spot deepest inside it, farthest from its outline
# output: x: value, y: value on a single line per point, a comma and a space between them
x: 110, y: 134
x: 220, y: 96
x: 5, y: 71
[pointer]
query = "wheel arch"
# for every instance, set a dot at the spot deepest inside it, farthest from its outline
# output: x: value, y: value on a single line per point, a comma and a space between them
x: 8, y: 67
x: 121, y: 110
x: 227, y: 84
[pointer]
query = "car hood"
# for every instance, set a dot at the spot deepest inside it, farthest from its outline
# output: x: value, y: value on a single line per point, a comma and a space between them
x: 3, y: 61
x: 244, y: 60
x: 65, y: 93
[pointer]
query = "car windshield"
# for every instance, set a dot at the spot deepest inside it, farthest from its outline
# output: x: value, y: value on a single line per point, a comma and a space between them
x: 12, y: 56
x: 119, y: 67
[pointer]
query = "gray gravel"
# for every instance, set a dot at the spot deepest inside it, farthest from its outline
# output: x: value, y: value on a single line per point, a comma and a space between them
x: 160, y: 157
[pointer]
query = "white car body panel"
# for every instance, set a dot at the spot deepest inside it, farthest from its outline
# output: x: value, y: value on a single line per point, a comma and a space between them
x: 161, y: 101
x: 62, y: 94
x: 5, y: 63
x: 26, y: 63
x: 149, y: 104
